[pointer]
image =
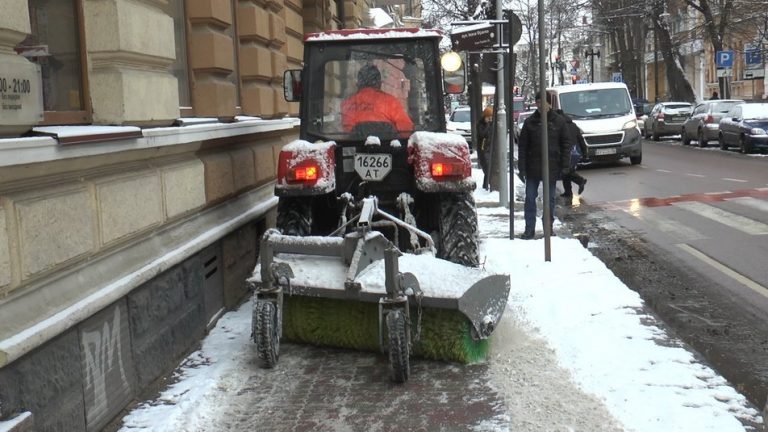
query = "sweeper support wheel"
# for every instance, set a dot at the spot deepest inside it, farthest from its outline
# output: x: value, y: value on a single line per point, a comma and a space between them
x: 265, y: 333
x: 398, y: 346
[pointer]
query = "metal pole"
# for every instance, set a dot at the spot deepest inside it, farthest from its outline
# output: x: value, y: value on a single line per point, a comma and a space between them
x: 592, y: 65
x: 544, y: 137
x: 501, y: 123
x: 512, y: 64
x: 655, y: 66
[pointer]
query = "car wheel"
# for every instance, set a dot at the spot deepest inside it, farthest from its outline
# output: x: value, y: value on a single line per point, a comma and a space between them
x: 702, y: 141
x: 721, y: 141
x: 684, y: 137
x: 744, y: 145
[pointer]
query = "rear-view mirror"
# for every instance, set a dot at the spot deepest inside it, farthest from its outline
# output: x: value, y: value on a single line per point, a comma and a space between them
x: 454, y: 81
x: 292, y: 87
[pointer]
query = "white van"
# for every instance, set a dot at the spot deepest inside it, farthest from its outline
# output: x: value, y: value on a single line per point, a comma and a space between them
x: 606, y: 117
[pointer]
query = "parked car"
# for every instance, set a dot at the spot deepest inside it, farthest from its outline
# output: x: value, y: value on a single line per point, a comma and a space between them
x: 745, y: 126
x: 704, y: 123
x: 460, y: 123
x: 666, y: 118
x: 641, y: 113
x: 520, y: 120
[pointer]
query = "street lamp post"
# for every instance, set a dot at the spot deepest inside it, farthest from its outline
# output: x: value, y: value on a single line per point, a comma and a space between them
x: 591, y: 54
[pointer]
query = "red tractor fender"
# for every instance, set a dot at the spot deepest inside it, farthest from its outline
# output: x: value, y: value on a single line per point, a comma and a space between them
x: 440, y: 162
x: 304, y: 168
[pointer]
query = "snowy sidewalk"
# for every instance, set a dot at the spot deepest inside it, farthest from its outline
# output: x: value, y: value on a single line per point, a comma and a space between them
x: 575, y: 351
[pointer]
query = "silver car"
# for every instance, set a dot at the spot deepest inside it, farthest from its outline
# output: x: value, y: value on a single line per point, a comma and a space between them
x: 704, y: 123
x: 666, y: 118
x: 520, y: 120
x: 460, y: 123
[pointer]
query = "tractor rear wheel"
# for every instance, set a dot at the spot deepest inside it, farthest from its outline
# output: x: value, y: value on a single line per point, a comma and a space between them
x: 265, y: 333
x: 398, y: 349
x: 294, y: 216
x: 458, y: 241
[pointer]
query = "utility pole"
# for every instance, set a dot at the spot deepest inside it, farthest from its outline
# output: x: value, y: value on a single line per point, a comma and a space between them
x: 591, y: 54
x: 502, y: 144
x: 544, y: 139
x: 655, y: 66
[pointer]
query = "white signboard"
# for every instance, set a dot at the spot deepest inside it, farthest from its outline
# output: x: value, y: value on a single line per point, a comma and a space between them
x: 754, y: 73
x: 21, y: 94
x: 725, y: 72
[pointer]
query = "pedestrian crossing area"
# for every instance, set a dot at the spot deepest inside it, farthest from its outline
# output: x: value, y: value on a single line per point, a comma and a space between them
x: 727, y: 231
x: 743, y: 211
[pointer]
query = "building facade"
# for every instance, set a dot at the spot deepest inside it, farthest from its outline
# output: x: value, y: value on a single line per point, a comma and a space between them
x: 138, y: 148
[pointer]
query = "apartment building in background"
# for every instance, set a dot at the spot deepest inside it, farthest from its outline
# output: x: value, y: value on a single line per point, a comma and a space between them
x: 138, y: 147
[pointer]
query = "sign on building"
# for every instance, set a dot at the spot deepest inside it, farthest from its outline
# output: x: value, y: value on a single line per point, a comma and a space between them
x: 21, y: 94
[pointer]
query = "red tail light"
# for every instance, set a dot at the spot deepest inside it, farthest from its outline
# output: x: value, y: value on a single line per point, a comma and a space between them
x: 302, y: 174
x: 709, y: 119
x: 447, y: 169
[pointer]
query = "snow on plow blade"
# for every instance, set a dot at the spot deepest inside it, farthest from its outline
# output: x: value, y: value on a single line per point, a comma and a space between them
x: 353, y: 268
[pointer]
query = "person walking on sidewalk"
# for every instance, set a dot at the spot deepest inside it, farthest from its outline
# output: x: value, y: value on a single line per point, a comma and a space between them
x: 484, y: 144
x: 579, y: 149
x: 530, y: 158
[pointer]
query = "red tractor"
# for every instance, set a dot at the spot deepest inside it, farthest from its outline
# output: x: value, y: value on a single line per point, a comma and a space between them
x: 414, y: 169
x: 374, y: 186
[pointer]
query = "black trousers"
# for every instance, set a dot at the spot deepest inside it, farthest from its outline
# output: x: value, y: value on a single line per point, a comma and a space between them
x: 573, y: 177
x: 484, y: 159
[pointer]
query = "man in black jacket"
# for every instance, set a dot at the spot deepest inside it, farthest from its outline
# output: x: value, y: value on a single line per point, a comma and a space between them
x: 529, y: 156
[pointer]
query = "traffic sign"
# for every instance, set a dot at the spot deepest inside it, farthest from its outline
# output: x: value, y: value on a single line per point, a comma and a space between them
x: 724, y: 72
x: 474, y: 37
x: 751, y: 74
x: 753, y: 57
x: 724, y: 59
x: 617, y: 77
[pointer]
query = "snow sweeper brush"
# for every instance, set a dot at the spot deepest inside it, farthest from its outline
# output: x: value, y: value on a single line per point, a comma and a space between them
x: 360, y: 292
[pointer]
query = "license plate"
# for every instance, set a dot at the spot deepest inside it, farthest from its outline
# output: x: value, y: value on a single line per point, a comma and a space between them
x: 605, y: 151
x: 373, y: 167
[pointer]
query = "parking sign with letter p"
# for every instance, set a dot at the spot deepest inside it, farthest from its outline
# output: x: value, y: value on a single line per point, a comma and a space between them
x: 724, y: 59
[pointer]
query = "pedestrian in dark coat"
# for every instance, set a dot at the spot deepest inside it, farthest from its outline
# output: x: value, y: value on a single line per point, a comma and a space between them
x: 529, y: 156
x: 484, y: 144
x: 579, y: 149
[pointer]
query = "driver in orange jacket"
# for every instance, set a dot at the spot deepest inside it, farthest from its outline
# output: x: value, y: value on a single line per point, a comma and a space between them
x: 370, y: 104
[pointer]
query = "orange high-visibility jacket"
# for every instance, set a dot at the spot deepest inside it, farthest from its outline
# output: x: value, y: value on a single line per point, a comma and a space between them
x: 372, y: 105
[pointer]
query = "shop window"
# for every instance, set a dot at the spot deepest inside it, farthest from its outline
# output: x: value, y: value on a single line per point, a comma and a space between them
x: 56, y: 44
x: 234, y: 77
x: 180, y: 66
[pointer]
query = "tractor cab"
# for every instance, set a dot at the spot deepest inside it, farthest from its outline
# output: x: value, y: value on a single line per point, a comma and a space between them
x: 408, y: 61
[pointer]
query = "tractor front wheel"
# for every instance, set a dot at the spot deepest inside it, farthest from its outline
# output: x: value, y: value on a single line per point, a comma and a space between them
x: 458, y: 241
x: 265, y: 333
x: 398, y: 349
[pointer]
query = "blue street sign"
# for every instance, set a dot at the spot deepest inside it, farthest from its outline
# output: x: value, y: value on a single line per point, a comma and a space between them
x: 617, y: 77
x: 724, y: 59
x: 753, y: 57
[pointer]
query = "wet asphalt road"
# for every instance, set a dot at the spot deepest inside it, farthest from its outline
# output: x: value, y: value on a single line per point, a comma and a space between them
x: 725, y: 319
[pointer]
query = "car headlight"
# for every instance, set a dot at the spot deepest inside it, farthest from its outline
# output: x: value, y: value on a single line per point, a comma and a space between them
x: 757, y: 131
x: 630, y: 125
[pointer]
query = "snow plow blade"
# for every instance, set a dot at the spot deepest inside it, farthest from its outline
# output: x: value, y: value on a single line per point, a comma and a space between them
x: 353, y: 268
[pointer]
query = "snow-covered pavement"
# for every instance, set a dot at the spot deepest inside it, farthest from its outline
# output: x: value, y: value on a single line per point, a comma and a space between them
x: 575, y: 351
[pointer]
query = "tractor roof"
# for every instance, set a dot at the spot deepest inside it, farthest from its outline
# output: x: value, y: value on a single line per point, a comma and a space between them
x: 360, y: 34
